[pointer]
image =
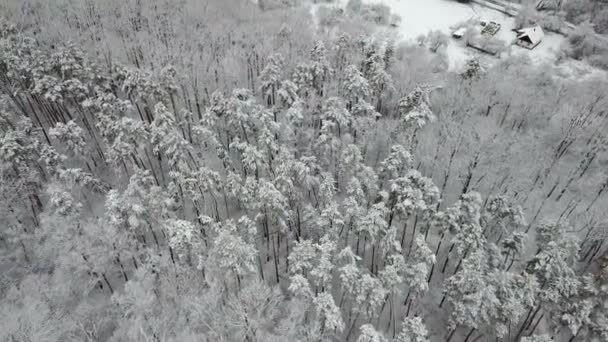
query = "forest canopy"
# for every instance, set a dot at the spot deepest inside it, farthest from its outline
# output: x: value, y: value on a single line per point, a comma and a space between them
x: 212, y: 171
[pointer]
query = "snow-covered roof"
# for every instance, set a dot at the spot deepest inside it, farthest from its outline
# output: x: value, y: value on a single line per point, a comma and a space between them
x: 548, y: 4
x: 533, y: 34
x: 459, y: 32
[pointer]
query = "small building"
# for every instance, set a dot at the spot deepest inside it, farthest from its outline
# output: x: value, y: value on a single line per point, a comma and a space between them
x: 549, y: 5
x: 485, y: 46
x: 529, y: 37
x: 459, y: 33
x: 489, y: 28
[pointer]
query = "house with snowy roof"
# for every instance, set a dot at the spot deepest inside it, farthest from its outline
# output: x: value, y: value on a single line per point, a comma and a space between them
x: 529, y: 37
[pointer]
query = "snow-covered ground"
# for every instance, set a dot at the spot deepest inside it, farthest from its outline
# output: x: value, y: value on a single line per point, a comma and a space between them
x: 419, y: 17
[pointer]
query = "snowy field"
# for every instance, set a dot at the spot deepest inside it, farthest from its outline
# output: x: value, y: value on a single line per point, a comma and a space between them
x: 419, y: 17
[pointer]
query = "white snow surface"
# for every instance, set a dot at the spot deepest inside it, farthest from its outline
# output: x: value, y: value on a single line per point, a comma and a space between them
x: 422, y: 16
x: 419, y: 17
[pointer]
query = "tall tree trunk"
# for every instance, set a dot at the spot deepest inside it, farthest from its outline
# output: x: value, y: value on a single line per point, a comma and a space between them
x: 409, y: 250
x: 276, y: 261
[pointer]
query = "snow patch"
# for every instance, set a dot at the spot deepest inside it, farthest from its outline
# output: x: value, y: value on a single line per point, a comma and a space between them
x: 419, y: 17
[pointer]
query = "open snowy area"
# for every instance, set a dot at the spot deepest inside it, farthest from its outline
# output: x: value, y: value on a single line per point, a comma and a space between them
x: 303, y: 170
x: 418, y: 18
x: 421, y: 17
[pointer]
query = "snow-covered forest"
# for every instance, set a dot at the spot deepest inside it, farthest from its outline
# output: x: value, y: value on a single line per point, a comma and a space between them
x: 295, y: 170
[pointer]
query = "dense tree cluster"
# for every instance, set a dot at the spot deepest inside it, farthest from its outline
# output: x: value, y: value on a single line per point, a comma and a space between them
x: 344, y: 195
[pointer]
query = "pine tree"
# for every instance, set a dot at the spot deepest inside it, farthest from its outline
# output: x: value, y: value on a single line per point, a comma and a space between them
x: 369, y: 334
x: 415, y: 111
x: 303, y: 78
x: 412, y: 195
x: 593, y: 295
x: 516, y: 293
x: 467, y: 230
x: 62, y: 201
x: 320, y: 68
x: 369, y: 295
x: 512, y: 246
x: 330, y: 222
x: 348, y: 272
x: 71, y: 135
x: 322, y: 273
x: 270, y: 78
x: 270, y: 207
x: 165, y: 137
x: 328, y: 312
x: 184, y: 239
x: 473, y: 298
x: 396, y: 163
x: 335, y: 111
x: 354, y: 203
x: 371, y: 227
x: 302, y: 257
x: 300, y: 287
x: 503, y: 218
x: 392, y: 279
x: 415, y: 193
x: 288, y: 94
x: 375, y: 71
x: 553, y: 267
x: 578, y: 315
x: 22, y: 172
x: 231, y: 252
x: 355, y: 87
x: 417, y: 269
x: 413, y: 330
